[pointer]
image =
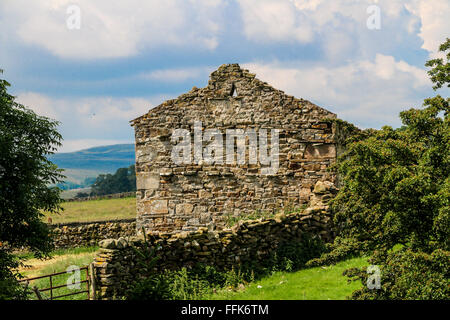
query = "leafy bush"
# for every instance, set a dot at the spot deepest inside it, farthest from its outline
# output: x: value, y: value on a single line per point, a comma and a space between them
x: 293, y: 256
x: 395, y: 190
x: 408, y: 275
x: 154, y: 287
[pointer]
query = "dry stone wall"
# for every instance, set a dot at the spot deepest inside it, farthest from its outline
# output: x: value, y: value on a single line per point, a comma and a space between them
x: 184, y: 197
x: 80, y: 234
x: 116, y: 266
x: 107, y: 196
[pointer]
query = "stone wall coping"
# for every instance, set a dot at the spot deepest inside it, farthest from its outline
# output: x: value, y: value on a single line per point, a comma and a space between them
x: 241, y: 226
x: 77, y: 224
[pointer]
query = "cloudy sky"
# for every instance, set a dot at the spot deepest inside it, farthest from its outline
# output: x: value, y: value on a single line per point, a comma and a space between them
x: 121, y: 58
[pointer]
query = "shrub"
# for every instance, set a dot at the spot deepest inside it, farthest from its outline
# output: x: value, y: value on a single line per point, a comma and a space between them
x: 154, y: 287
x: 395, y: 190
x: 408, y: 275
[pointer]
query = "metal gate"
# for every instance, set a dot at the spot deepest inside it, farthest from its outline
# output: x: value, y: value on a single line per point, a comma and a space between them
x: 87, y: 286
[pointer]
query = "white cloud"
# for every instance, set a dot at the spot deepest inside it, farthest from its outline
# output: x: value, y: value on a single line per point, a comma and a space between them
x: 111, y: 29
x: 39, y: 103
x: 365, y: 92
x: 178, y: 75
x: 435, y: 22
x: 87, y: 122
x: 266, y: 20
x: 92, y: 110
x: 310, y: 20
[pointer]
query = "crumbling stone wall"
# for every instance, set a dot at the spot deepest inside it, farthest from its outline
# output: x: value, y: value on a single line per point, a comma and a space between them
x: 80, y: 234
x: 107, y: 196
x: 116, y: 265
x: 184, y: 197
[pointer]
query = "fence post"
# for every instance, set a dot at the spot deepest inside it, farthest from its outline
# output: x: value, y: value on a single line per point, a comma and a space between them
x: 92, y: 278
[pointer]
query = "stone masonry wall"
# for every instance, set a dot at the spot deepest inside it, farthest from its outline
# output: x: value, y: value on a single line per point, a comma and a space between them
x: 80, y: 234
x: 174, y: 198
x: 116, y: 267
x: 107, y: 196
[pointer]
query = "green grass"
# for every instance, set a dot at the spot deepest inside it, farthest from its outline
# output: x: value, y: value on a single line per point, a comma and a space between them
x: 321, y: 283
x: 60, y: 261
x: 95, y: 210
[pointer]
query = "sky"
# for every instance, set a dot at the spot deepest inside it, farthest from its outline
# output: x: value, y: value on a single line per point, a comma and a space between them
x: 96, y: 65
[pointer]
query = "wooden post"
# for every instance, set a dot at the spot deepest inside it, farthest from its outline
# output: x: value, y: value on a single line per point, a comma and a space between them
x: 37, y: 292
x: 92, y: 278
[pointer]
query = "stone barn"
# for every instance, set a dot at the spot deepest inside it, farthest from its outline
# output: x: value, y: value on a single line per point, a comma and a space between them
x: 230, y: 149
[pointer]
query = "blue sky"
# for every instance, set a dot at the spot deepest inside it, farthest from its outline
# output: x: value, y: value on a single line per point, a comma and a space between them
x: 128, y: 56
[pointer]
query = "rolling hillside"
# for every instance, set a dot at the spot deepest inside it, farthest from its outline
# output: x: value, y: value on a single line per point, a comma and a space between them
x: 82, y: 167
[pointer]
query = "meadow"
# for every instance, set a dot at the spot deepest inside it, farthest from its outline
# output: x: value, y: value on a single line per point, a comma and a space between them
x: 94, y: 210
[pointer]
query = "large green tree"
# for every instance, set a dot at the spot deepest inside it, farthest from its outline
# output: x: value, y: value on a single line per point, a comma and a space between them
x: 25, y: 174
x: 395, y: 192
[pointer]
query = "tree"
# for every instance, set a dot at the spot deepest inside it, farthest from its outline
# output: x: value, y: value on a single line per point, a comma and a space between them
x: 25, y: 173
x: 124, y: 180
x: 395, y: 192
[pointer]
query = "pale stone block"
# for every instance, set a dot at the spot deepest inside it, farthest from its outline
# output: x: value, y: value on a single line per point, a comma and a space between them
x: 147, y: 181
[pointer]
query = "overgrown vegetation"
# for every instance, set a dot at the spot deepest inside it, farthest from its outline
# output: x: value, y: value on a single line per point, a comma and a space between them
x: 395, y: 189
x: 202, y: 281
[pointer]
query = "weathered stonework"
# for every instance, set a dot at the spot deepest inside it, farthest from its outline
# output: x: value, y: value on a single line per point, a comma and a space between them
x: 80, y: 234
x: 173, y: 198
x: 117, y: 266
x: 107, y: 196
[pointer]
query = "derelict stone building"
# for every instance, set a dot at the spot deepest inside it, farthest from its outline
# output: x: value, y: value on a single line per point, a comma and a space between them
x: 180, y: 188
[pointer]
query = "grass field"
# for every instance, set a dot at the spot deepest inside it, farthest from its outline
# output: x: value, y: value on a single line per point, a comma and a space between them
x: 60, y: 261
x: 93, y: 210
x: 320, y: 283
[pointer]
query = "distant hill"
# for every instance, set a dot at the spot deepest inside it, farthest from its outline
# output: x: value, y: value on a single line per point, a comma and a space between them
x: 82, y: 167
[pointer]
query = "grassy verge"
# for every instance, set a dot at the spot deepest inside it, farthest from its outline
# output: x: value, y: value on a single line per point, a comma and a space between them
x: 93, y: 210
x: 321, y: 283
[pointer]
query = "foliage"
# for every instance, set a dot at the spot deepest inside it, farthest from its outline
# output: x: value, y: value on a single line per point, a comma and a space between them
x: 440, y: 72
x: 155, y: 287
x: 291, y: 256
x: 26, y: 140
x: 124, y: 180
x: 408, y: 275
x: 395, y: 189
x: 202, y: 280
x: 81, y: 195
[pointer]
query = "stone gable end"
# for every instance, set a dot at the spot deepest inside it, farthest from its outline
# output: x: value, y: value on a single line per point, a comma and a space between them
x: 183, y: 197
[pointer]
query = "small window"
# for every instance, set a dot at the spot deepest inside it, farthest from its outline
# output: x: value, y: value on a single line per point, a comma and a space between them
x: 233, y: 91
